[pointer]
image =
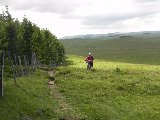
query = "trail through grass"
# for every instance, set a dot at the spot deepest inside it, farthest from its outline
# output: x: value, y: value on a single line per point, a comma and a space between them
x: 32, y: 99
x: 112, y: 91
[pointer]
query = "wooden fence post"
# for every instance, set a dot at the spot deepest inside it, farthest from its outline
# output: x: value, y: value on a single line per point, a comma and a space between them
x: 28, y: 66
x: 1, y: 73
x: 15, y: 60
x: 20, y: 65
x: 12, y: 67
x: 25, y: 63
x: 33, y: 61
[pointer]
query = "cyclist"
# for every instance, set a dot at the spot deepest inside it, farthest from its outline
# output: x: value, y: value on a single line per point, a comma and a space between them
x: 89, y: 60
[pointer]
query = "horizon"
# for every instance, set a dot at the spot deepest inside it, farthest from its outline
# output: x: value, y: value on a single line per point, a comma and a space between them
x: 107, y: 33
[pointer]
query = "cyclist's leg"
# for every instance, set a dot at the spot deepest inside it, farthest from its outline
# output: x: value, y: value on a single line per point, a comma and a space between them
x: 90, y: 65
x: 87, y: 66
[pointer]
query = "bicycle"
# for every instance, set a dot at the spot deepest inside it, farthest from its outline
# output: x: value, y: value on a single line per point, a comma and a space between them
x: 89, y: 65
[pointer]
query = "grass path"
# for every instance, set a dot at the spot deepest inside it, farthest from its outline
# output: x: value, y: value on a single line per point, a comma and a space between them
x: 64, y: 107
x: 114, y: 91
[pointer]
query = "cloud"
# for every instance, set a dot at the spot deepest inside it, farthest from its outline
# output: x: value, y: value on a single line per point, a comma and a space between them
x: 147, y: 5
x: 141, y: 12
x: 145, y: 1
x: 53, y: 6
x: 89, y: 15
x: 106, y: 20
x: 112, y: 12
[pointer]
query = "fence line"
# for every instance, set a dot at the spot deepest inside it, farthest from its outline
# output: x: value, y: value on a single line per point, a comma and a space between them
x: 17, y: 67
x: 20, y: 66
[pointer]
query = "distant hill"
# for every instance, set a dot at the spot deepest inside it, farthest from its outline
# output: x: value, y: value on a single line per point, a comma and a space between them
x: 115, y: 35
x: 140, y: 47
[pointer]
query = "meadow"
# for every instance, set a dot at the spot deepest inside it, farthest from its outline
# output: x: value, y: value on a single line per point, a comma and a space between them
x: 128, y: 50
x: 31, y: 99
x: 124, y: 84
x: 112, y: 91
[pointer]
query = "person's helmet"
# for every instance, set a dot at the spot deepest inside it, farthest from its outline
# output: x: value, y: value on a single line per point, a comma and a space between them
x: 89, y: 53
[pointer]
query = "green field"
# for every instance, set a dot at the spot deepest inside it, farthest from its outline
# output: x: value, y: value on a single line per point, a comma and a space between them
x: 130, y: 50
x: 31, y: 99
x: 124, y: 84
x: 113, y: 91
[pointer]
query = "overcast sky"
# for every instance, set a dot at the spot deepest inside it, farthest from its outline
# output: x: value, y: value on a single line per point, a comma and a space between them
x: 74, y: 17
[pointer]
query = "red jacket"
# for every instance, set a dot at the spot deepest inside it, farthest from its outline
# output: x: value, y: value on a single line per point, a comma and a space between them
x: 89, y: 58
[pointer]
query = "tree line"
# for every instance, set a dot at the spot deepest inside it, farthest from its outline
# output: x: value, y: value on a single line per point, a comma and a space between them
x: 24, y: 38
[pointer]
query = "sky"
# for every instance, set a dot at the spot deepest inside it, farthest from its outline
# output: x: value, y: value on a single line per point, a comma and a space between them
x: 79, y: 17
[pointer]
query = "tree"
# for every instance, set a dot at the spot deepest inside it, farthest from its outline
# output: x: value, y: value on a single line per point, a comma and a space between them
x: 25, y: 38
x: 27, y: 33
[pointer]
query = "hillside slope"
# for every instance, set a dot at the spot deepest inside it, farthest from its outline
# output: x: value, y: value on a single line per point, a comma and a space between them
x: 131, y: 50
x: 112, y: 91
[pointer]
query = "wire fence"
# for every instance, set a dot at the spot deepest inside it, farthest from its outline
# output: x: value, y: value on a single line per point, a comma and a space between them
x: 16, y: 66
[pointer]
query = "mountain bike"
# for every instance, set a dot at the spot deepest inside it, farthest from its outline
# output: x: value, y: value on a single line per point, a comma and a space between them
x: 89, y: 65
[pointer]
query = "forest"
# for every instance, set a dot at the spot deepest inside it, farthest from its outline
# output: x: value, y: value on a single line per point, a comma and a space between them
x: 23, y: 38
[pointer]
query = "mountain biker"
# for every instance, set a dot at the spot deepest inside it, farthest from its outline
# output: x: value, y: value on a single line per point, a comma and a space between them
x: 89, y: 60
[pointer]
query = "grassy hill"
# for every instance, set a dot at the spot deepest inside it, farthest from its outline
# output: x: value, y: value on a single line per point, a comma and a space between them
x: 112, y: 91
x: 128, y: 49
x: 32, y: 99
x: 117, y: 88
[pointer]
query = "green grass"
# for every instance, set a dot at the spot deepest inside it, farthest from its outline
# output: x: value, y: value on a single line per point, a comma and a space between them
x: 113, y: 91
x: 30, y: 99
x: 130, y: 50
x: 124, y: 85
